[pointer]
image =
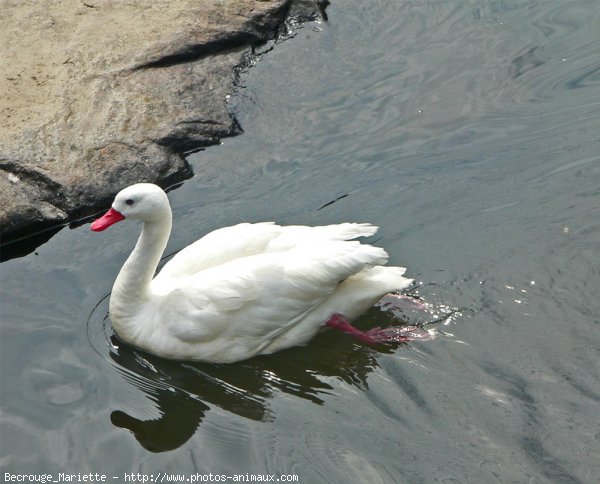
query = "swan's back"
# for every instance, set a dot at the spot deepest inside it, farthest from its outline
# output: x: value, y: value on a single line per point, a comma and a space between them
x: 246, y: 239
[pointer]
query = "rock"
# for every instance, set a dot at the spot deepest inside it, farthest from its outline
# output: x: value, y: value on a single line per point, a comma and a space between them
x: 96, y: 95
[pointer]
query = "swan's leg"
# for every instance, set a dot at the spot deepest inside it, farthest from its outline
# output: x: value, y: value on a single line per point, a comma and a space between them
x: 391, y: 334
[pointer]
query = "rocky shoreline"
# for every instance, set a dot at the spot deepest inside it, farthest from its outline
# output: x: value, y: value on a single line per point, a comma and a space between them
x: 96, y: 95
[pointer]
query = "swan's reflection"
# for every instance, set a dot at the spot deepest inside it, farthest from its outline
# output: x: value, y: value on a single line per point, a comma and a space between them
x: 184, y: 392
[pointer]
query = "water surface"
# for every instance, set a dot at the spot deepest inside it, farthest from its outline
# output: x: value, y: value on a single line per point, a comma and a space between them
x: 469, y: 132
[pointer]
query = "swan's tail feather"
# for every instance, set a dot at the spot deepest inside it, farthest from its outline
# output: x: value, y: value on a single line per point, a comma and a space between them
x: 348, y: 230
x: 389, y: 277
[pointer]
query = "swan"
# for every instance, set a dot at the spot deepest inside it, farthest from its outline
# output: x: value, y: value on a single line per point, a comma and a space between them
x: 245, y: 290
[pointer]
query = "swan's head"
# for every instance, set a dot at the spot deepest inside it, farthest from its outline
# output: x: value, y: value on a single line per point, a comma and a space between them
x: 143, y: 201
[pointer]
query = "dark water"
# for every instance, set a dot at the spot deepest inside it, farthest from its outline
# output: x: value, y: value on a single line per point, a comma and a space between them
x: 470, y: 132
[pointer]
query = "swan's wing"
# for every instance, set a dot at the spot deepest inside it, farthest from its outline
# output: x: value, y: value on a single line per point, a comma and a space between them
x: 295, y: 235
x: 243, y: 240
x: 254, y: 299
x: 219, y: 247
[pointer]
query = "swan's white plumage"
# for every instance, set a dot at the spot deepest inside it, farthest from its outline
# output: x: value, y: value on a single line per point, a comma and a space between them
x: 244, y: 290
x: 247, y: 239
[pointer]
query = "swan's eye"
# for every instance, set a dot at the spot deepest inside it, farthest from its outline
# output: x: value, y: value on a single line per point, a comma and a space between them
x: 129, y: 201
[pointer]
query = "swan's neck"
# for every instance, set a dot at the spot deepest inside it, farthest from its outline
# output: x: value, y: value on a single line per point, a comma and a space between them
x: 132, y: 286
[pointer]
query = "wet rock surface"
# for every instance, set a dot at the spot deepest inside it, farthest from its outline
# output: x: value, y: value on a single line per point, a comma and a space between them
x: 96, y: 95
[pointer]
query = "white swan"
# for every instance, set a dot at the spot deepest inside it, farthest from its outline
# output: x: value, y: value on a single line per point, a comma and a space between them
x: 244, y: 290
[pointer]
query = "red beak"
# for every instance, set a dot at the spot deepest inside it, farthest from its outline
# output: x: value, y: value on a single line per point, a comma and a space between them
x: 109, y: 218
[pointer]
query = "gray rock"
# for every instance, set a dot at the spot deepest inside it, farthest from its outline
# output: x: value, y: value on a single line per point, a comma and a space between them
x: 97, y: 95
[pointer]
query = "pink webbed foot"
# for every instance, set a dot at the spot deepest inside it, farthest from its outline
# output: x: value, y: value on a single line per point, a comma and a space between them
x: 391, y: 334
x: 397, y: 334
x: 394, y: 301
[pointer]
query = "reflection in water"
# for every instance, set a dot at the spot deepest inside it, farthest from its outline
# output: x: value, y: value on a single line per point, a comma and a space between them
x: 22, y: 247
x: 180, y: 412
x: 183, y: 392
